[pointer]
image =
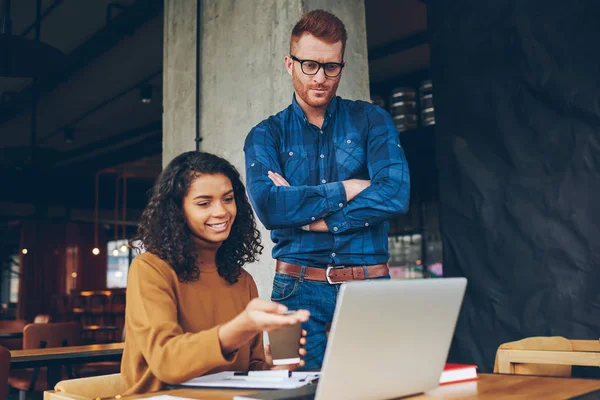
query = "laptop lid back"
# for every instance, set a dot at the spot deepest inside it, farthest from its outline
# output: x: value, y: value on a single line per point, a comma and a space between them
x: 389, y: 338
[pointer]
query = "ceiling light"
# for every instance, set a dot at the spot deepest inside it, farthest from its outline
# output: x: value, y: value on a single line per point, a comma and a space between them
x: 96, y: 251
x: 146, y: 93
x: 69, y: 135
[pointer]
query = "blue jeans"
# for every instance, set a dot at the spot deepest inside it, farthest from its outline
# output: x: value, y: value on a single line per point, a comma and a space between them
x: 317, y: 297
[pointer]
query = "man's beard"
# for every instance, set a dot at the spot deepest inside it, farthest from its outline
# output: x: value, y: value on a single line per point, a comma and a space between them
x: 303, y: 90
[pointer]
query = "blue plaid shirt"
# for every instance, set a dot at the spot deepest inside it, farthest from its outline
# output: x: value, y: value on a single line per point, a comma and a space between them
x: 357, y: 141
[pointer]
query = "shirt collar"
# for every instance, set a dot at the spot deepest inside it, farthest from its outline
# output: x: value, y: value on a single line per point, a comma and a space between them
x: 328, y: 113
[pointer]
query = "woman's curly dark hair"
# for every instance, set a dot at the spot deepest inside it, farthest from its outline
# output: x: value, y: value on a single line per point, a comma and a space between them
x: 163, y: 231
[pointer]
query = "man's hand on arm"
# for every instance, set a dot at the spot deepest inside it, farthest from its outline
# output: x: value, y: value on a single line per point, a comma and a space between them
x: 353, y: 188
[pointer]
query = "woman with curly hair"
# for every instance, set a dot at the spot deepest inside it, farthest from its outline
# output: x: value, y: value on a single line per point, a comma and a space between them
x: 191, y: 308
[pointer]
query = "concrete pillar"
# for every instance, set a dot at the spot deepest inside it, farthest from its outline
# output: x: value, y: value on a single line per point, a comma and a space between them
x: 243, y: 78
x: 179, y: 78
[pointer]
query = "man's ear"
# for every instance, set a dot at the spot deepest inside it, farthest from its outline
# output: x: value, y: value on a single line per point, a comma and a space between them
x: 289, y: 64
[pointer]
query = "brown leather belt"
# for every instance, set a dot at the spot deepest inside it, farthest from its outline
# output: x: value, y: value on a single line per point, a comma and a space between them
x: 333, y: 274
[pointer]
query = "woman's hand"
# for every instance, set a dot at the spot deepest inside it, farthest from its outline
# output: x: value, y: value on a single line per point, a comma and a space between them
x: 259, y: 315
x: 291, y: 367
x: 268, y: 316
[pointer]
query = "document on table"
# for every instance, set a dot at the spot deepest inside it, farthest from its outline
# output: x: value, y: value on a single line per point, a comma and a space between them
x: 254, y: 380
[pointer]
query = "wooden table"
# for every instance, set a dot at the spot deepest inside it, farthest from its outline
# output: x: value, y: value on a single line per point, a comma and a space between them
x: 10, y: 334
x: 488, y: 387
x: 54, y: 358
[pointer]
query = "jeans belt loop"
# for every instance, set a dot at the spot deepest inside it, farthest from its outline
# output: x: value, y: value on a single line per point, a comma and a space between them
x: 366, y: 270
x: 329, y: 268
x: 302, y: 273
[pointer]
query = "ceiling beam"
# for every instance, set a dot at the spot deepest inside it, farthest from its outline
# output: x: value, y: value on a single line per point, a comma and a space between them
x: 86, y: 153
x: 46, y: 12
x: 103, y: 40
x: 398, y: 46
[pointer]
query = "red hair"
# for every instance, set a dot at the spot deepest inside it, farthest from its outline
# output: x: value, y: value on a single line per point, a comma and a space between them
x: 322, y: 25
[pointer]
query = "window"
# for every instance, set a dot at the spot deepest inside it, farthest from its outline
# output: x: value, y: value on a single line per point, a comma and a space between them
x: 118, y: 256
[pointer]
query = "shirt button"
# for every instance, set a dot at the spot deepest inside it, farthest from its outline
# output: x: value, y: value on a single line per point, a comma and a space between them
x: 348, y: 141
x: 398, y: 145
x: 335, y: 228
x: 332, y: 254
x: 322, y: 156
x: 341, y: 205
x: 366, y: 224
x: 291, y: 153
x: 312, y: 218
x: 252, y: 165
x: 321, y: 132
x: 324, y: 181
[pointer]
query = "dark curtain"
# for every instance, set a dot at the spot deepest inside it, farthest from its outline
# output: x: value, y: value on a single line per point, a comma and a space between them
x: 43, y: 268
x: 517, y: 97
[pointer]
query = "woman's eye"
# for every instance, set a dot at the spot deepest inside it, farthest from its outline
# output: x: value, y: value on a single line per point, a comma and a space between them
x: 203, y: 204
x: 228, y: 199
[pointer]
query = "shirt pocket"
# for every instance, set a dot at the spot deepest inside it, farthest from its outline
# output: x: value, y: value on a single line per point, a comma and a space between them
x: 296, y: 164
x: 350, y: 157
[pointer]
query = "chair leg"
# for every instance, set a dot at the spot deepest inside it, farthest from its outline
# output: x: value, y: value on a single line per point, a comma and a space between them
x: 22, y: 395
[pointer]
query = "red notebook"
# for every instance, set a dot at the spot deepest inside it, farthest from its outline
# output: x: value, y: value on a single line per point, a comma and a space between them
x: 458, y: 373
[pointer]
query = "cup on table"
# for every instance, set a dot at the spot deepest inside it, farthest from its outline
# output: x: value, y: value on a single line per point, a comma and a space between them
x: 285, y: 344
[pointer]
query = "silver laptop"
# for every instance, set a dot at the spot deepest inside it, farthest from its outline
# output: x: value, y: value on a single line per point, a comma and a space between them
x: 389, y: 338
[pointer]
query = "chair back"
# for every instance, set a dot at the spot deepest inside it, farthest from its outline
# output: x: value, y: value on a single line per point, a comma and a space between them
x: 117, y: 302
x: 41, y: 319
x: 4, y: 368
x: 59, y: 334
x: 103, y: 386
x: 512, y: 357
x: 77, y: 303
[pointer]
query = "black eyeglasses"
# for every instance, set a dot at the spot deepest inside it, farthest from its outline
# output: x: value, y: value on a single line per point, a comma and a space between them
x: 311, y: 67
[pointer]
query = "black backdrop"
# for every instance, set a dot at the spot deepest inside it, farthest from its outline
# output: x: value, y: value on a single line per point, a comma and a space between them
x: 517, y: 97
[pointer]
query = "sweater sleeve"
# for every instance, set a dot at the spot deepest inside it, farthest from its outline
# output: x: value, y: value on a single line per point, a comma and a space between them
x: 172, y: 355
x: 257, y: 350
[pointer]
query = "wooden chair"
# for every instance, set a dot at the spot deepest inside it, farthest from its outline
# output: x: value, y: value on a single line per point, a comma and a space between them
x: 4, y: 368
x: 546, y: 356
x: 36, y: 336
x: 104, y: 386
x: 97, y: 307
x: 77, y: 307
x: 101, y: 368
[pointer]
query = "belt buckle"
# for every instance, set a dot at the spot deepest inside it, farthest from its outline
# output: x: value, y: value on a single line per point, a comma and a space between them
x: 329, y: 268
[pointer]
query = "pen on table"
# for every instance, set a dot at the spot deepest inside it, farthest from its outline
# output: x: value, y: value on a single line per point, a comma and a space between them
x: 271, y: 374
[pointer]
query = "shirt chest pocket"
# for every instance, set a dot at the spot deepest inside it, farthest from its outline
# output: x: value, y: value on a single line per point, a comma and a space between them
x: 350, y: 157
x: 297, y: 166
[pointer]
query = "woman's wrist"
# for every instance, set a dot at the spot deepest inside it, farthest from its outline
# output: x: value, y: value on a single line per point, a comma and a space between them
x: 235, y: 333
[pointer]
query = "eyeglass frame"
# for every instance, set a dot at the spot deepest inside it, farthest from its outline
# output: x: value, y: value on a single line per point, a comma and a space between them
x: 321, y: 65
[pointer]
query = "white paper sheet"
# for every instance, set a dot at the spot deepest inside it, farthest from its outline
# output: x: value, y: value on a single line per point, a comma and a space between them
x: 227, y: 379
x: 166, y: 397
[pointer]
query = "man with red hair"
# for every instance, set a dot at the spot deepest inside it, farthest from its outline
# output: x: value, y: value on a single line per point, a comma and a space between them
x: 324, y: 175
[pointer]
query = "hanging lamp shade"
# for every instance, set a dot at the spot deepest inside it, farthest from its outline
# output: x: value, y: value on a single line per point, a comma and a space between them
x: 27, y: 58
